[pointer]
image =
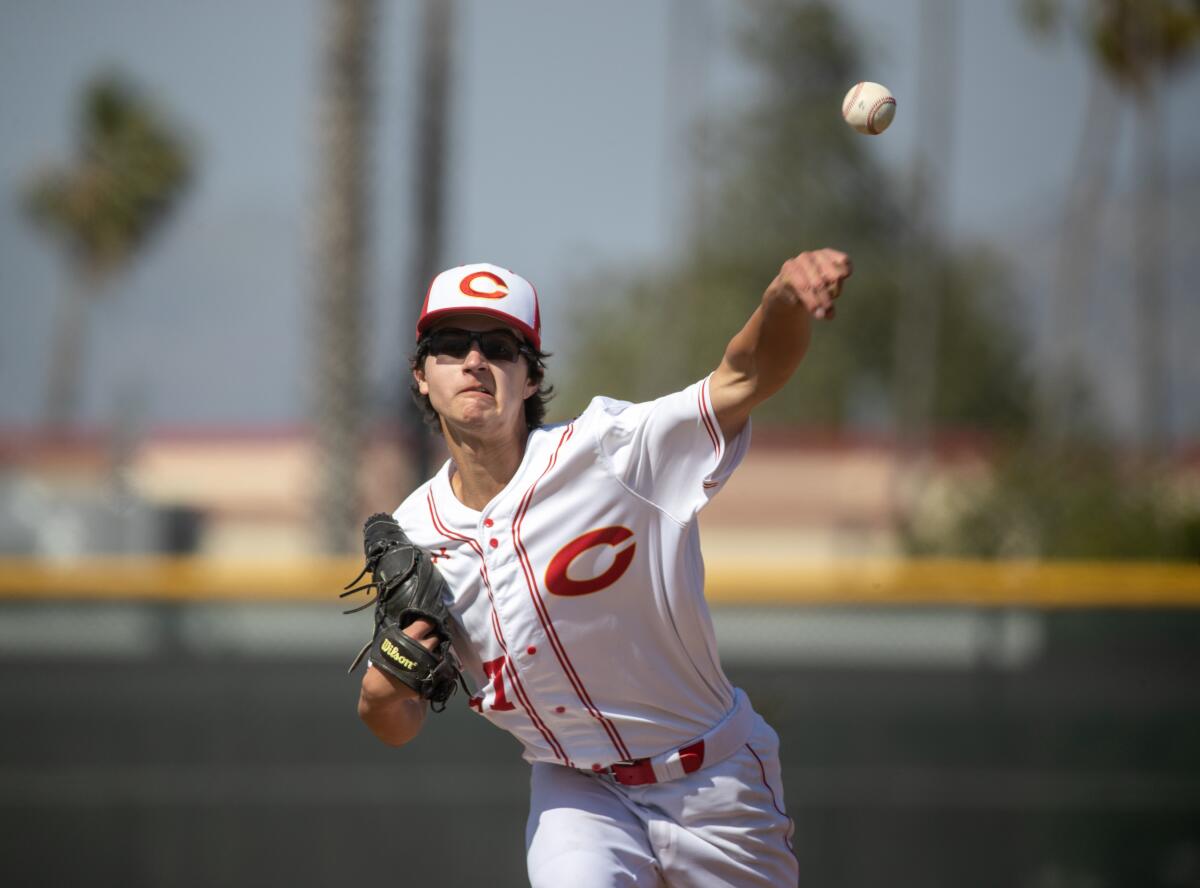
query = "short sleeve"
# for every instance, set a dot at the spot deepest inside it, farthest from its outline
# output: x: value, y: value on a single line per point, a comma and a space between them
x: 669, y: 451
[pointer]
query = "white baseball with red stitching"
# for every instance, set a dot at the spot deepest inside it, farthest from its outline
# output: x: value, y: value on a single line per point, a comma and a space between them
x: 869, y: 107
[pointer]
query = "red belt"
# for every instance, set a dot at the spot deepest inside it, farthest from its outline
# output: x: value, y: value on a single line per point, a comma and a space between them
x: 639, y: 772
x: 720, y: 742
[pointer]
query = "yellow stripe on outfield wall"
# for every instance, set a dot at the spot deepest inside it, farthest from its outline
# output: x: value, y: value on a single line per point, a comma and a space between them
x: 175, y: 579
x: 729, y: 582
x: 980, y: 583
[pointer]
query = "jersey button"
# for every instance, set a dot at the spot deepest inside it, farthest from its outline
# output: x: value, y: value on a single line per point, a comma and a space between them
x: 493, y: 542
x: 488, y: 522
x: 531, y: 650
x: 560, y: 709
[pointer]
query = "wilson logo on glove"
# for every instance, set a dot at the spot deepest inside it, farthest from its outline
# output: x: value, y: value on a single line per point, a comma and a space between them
x: 407, y: 588
x: 389, y: 648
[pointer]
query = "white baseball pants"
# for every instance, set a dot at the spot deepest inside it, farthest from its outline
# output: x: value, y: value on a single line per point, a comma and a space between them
x: 723, y: 825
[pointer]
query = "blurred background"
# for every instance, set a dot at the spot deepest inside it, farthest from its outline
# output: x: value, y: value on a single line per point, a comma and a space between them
x: 959, y: 569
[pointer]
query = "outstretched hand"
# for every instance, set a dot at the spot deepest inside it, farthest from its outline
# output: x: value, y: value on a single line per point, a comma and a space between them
x: 814, y: 280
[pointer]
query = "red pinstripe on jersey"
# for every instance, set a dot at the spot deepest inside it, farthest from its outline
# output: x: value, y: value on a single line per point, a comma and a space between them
x: 519, y: 688
x: 544, y: 616
x: 709, y: 426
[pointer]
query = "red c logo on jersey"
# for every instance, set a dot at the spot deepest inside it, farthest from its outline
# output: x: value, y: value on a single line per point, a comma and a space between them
x: 467, y: 286
x: 557, y: 581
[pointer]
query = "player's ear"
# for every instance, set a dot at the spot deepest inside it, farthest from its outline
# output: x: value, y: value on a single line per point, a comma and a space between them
x: 419, y: 378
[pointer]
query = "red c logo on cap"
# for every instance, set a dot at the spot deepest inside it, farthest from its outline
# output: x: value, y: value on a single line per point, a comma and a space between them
x: 467, y: 286
x: 557, y: 581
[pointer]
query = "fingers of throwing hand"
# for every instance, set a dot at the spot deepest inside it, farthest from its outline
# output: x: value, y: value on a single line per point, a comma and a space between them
x: 824, y: 282
x: 835, y: 268
x: 839, y: 262
x: 816, y: 279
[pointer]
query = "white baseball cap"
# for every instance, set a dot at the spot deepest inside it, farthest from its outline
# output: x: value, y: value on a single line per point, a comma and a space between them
x: 486, y: 289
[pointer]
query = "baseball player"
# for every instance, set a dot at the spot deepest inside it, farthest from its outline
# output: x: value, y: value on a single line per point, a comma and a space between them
x: 574, y: 589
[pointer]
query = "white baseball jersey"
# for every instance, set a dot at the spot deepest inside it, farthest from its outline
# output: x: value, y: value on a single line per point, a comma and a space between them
x: 579, y: 588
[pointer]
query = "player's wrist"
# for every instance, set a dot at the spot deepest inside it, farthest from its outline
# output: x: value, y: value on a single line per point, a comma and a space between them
x: 380, y: 687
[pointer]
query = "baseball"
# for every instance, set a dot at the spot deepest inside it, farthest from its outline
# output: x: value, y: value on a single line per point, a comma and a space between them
x: 869, y: 107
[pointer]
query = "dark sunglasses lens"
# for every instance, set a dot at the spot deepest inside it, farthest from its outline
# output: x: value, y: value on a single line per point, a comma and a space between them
x: 498, y: 347
x: 455, y: 343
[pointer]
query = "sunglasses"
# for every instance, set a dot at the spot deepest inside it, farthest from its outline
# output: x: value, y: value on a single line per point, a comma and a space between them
x: 496, y: 345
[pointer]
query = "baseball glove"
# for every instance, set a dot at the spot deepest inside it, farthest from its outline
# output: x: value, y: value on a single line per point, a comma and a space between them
x: 407, y: 587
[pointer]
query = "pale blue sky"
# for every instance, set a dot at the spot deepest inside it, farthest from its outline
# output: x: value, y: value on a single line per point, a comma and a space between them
x: 211, y: 327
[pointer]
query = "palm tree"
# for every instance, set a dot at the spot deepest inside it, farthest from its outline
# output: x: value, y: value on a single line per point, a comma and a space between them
x: 428, y: 194
x: 130, y: 171
x: 1135, y: 44
x: 341, y: 247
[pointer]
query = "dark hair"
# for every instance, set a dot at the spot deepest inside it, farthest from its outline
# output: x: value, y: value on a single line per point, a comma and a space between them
x: 535, y: 404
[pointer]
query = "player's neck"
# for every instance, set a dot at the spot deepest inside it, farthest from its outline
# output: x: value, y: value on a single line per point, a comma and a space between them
x: 482, y: 468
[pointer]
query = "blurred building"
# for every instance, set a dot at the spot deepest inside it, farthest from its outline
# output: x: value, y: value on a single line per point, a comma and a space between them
x: 236, y: 492
x: 233, y: 492
x: 212, y: 492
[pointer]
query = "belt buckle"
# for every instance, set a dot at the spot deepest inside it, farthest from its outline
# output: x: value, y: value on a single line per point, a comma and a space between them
x: 639, y: 772
x: 605, y: 774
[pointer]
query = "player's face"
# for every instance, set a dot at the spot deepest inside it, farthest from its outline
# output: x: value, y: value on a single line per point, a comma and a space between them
x: 471, y: 391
